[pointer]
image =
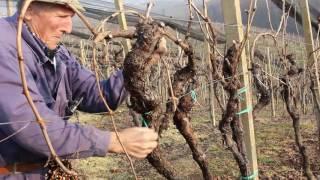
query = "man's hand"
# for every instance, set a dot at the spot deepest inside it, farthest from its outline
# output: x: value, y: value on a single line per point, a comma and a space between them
x: 138, y: 141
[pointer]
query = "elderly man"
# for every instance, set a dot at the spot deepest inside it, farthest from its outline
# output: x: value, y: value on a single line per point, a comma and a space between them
x: 56, y: 81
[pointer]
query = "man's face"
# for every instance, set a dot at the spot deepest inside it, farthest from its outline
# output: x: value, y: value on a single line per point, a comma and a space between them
x: 49, y: 22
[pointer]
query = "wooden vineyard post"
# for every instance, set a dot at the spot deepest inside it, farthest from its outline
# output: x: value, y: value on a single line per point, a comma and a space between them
x: 278, y: 85
x: 123, y: 24
x: 304, y: 108
x: 233, y: 28
x: 105, y: 50
x: 312, y: 60
x: 9, y: 7
x: 82, y: 54
x: 207, y: 57
x: 271, y: 83
x: 249, y: 61
x: 223, y: 97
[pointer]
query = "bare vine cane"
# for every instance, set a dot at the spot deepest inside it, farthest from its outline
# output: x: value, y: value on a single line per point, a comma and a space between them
x: 317, y: 50
x: 211, y: 32
x: 39, y: 119
x: 149, y: 6
x: 211, y: 38
x: 190, y: 20
x: 269, y: 15
x: 111, y: 113
x: 173, y: 97
x: 251, y: 13
x: 103, y: 35
x: 263, y: 89
x: 107, y: 35
x: 115, y: 14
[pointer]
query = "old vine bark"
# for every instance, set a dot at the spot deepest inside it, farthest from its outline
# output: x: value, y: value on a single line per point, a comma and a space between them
x: 230, y: 124
x: 138, y: 63
x: 289, y: 93
x: 262, y: 85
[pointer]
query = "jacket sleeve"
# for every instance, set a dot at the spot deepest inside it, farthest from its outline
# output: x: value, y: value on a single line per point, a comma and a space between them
x: 83, y: 84
x: 67, y: 138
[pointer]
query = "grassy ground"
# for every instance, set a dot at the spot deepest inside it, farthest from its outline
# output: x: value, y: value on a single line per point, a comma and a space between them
x: 278, y: 157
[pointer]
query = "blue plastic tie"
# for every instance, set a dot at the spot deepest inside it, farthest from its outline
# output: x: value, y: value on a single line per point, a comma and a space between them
x: 144, y: 122
x: 249, y: 109
x: 147, y: 113
x: 242, y: 90
x: 254, y: 175
x: 193, y: 95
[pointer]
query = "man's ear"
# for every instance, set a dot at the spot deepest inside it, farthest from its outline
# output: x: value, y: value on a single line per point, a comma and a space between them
x: 29, y: 13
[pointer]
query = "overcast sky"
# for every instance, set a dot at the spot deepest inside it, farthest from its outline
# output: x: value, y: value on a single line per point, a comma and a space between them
x: 178, y: 9
x: 170, y: 7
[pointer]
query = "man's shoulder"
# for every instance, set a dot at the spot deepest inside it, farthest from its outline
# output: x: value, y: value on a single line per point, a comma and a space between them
x: 7, y: 31
x: 4, y: 20
x: 64, y: 52
x: 7, y: 23
x: 65, y: 55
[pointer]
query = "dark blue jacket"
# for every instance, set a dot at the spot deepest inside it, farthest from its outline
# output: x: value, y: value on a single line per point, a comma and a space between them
x: 52, y: 90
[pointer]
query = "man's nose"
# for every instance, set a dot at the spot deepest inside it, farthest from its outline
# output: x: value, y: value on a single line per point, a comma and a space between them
x: 67, y: 25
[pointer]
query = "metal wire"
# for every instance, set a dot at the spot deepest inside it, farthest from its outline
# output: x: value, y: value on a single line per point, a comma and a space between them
x: 15, y: 133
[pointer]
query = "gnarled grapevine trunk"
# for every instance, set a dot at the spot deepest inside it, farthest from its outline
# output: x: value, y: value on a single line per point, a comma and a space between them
x: 184, y: 83
x: 316, y: 105
x: 290, y: 94
x: 138, y: 63
x: 230, y: 124
x: 263, y: 89
x: 138, y: 75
